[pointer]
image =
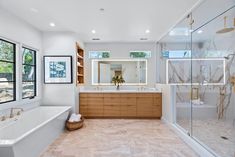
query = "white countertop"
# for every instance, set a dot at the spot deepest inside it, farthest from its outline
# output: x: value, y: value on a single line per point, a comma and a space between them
x: 119, y: 91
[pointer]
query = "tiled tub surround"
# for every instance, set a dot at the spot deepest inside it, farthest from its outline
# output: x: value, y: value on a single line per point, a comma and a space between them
x: 120, y: 138
x: 30, y: 133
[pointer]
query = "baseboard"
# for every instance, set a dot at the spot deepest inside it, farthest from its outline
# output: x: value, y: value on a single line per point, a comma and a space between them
x: 199, y: 149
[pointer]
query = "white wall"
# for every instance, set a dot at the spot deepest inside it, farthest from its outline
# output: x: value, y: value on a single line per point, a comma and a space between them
x: 121, y: 50
x: 60, y: 43
x: 15, y: 30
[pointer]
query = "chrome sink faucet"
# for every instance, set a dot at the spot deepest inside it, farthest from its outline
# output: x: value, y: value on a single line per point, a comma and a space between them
x: 18, y: 113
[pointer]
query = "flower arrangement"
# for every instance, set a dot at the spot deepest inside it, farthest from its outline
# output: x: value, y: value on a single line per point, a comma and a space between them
x: 117, y: 80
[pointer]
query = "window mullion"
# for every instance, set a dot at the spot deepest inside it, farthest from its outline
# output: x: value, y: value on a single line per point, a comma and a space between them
x: 19, y: 72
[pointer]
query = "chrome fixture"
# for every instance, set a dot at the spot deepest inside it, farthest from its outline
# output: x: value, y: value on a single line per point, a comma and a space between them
x: 228, y: 56
x: 18, y: 113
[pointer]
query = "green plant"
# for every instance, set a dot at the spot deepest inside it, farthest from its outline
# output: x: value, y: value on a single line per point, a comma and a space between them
x: 117, y: 80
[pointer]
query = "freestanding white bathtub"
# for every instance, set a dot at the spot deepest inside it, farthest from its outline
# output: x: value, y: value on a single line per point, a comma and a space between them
x: 30, y: 133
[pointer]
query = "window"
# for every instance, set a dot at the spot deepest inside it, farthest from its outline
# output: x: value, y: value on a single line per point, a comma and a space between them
x: 99, y: 54
x: 29, y: 73
x: 176, y: 54
x: 7, y: 71
x: 140, y: 54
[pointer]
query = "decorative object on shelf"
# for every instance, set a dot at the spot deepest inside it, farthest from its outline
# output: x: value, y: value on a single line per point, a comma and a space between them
x: 58, y: 69
x: 195, y: 93
x: 117, y: 80
x: 232, y: 80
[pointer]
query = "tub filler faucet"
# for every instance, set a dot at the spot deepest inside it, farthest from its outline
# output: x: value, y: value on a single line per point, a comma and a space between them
x: 18, y: 113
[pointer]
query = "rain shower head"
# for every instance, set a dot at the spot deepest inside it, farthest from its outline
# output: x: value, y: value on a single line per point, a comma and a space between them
x: 228, y: 56
x: 226, y: 29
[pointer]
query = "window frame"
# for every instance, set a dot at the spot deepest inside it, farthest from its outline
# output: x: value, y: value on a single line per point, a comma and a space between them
x: 14, y: 71
x: 139, y: 51
x: 98, y: 51
x: 34, y: 81
x: 175, y: 51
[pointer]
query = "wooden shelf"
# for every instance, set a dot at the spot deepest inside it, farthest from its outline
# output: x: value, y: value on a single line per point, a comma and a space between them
x: 78, y: 56
x: 80, y: 65
x: 80, y: 75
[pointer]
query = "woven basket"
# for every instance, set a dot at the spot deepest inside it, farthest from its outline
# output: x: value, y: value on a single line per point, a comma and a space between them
x: 74, y: 125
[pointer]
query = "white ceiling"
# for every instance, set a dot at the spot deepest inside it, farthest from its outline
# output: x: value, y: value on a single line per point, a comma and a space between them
x: 121, y: 20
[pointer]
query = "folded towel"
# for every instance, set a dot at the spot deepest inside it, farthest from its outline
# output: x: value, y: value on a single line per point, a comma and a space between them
x: 75, y: 118
x: 197, y: 102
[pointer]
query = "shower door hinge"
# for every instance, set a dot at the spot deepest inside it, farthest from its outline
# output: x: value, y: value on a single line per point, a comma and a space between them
x: 191, y: 20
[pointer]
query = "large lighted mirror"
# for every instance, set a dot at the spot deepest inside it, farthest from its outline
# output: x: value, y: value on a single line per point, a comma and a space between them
x: 133, y: 71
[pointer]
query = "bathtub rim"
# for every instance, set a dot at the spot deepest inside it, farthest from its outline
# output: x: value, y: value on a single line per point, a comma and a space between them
x: 11, y: 142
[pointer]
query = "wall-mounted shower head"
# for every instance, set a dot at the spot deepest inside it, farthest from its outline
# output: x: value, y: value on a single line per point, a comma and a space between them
x: 228, y: 56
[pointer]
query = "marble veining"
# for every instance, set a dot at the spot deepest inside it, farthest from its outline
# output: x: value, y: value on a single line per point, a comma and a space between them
x: 120, y: 138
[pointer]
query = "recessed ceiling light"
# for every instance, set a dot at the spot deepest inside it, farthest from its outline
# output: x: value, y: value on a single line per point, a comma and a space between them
x: 95, y: 38
x: 93, y: 31
x: 147, y: 31
x: 199, y: 31
x: 101, y: 9
x: 52, y: 24
x: 34, y: 10
x: 179, y: 32
x: 191, y: 30
x: 143, y: 38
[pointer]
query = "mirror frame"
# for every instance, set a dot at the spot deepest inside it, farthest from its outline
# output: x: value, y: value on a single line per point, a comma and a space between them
x: 111, y: 84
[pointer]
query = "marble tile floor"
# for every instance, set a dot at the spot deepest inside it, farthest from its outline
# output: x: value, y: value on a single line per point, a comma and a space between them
x: 120, y: 138
x: 210, y: 133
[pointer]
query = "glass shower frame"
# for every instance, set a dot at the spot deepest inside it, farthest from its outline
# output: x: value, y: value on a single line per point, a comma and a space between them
x: 196, y: 132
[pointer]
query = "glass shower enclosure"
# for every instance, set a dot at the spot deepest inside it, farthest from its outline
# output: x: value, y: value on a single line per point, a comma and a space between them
x: 199, y: 54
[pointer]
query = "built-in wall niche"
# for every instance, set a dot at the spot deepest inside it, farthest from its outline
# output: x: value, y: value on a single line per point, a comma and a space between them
x: 133, y: 71
x: 80, y: 65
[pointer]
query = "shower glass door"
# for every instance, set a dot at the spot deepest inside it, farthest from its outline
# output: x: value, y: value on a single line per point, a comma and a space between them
x: 213, y: 84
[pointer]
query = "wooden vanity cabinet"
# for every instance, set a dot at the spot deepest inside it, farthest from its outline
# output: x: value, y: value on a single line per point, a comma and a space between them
x: 128, y: 105
x: 112, y: 105
x: 95, y: 105
x: 144, y: 103
x: 121, y: 105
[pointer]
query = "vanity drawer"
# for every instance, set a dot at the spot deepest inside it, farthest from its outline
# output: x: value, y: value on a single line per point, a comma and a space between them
x: 112, y: 110
x: 150, y: 95
x: 95, y: 95
x: 128, y: 101
x: 157, y: 111
x: 82, y: 95
x: 157, y: 101
x: 111, y: 95
x: 128, y: 110
x: 128, y: 95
